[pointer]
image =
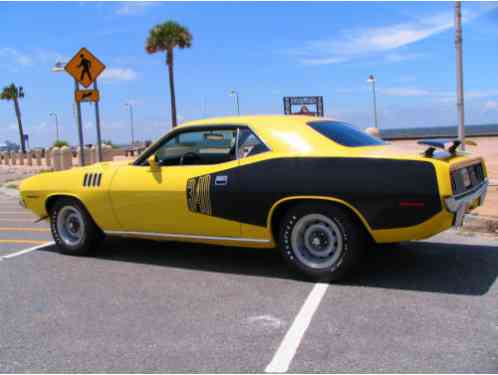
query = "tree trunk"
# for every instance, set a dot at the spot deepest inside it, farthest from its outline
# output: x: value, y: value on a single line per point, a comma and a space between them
x: 169, y: 62
x: 19, y: 122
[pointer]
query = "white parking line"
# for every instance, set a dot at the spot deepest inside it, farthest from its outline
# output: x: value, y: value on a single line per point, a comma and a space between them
x: 25, y: 251
x: 289, y: 345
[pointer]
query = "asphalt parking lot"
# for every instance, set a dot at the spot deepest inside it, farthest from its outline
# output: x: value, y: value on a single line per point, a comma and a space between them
x: 140, y: 306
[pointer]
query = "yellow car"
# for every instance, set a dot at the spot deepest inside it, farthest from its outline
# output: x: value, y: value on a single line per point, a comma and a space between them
x: 317, y: 188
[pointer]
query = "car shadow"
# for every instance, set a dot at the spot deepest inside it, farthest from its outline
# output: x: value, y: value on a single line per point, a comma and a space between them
x: 418, y: 266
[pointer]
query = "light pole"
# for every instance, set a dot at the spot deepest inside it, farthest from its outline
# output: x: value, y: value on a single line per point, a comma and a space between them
x: 130, y: 107
x: 56, y: 124
x: 58, y: 68
x: 459, y: 73
x: 236, y: 95
x: 371, y: 79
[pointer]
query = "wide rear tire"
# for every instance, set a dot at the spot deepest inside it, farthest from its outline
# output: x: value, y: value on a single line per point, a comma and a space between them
x: 321, y: 240
x: 73, y: 229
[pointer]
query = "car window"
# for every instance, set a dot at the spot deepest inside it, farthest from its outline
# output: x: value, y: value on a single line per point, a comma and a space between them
x: 250, y: 144
x: 344, y: 134
x: 198, y: 147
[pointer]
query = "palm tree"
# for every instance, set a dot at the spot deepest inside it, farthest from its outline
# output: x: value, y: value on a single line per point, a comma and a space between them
x: 165, y: 37
x: 13, y: 93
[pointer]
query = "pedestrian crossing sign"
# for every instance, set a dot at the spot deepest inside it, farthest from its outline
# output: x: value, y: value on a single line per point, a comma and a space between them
x: 84, y: 67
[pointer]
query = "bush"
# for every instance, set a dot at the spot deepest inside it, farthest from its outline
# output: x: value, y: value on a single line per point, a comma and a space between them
x: 109, y: 143
x: 60, y: 143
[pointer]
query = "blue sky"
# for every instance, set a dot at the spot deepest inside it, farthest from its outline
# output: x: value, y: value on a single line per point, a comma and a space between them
x: 264, y: 50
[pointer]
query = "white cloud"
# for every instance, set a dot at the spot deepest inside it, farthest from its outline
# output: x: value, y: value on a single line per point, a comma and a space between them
x: 16, y: 56
x: 119, y: 74
x: 395, y: 57
x: 439, y: 95
x: 491, y: 105
x: 133, y: 8
x: 358, y: 43
x: 405, y: 91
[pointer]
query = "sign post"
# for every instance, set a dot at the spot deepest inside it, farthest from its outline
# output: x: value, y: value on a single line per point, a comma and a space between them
x: 85, y: 68
x: 97, y: 121
x: 80, y: 127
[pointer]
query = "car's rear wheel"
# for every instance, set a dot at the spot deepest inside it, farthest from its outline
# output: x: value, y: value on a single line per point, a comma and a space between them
x: 73, y: 229
x: 323, y: 241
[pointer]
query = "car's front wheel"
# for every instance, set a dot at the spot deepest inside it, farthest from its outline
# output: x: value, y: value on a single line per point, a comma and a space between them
x: 73, y: 229
x: 323, y: 241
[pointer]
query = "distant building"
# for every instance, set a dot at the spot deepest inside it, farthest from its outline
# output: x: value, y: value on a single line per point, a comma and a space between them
x: 9, y: 146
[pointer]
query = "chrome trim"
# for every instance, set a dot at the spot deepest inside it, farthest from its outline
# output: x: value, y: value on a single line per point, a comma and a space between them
x: 455, y: 202
x: 186, y: 236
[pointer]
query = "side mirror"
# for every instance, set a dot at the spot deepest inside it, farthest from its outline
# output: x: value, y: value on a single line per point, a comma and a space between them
x: 152, y: 160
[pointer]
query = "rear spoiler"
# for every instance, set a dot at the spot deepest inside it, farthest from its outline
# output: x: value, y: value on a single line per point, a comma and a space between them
x: 441, y: 143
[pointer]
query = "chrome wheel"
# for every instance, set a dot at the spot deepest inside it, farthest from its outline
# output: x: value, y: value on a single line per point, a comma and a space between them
x: 70, y: 226
x: 317, y: 241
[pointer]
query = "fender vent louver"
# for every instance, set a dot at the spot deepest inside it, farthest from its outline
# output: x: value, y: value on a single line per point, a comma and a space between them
x: 92, y: 179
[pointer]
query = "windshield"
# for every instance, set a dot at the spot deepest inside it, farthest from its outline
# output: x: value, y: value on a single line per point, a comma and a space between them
x: 344, y: 134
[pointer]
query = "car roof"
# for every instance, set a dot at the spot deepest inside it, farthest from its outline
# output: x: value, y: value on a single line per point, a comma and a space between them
x: 284, y: 133
x: 255, y: 120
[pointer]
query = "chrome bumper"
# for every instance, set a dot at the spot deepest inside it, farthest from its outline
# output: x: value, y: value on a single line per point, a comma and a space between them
x: 459, y: 204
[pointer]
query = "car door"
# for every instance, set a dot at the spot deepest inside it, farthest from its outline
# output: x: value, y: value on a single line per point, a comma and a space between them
x: 174, y: 198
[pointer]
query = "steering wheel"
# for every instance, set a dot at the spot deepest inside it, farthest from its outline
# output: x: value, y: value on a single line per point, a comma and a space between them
x: 189, y: 155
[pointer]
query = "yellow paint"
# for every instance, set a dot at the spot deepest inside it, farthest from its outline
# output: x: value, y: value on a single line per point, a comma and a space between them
x: 145, y: 199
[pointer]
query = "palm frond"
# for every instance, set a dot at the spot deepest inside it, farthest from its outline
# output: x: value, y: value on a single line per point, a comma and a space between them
x: 166, y: 36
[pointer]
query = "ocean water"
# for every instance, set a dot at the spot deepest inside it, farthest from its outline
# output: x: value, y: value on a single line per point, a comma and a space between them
x: 439, y: 132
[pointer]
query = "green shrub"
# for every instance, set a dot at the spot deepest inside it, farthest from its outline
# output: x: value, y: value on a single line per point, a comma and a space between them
x: 60, y: 143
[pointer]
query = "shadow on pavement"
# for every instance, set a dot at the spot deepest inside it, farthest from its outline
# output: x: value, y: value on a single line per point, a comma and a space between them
x: 418, y: 266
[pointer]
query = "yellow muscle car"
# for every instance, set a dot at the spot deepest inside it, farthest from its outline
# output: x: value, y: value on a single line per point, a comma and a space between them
x: 317, y: 188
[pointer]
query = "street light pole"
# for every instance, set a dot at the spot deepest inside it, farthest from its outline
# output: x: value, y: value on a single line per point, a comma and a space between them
x: 459, y: 73
x: 130, y: 107
x: 371, y: 79
x: 53, y: 114
x: 237, y: 105
x: 57, y: 68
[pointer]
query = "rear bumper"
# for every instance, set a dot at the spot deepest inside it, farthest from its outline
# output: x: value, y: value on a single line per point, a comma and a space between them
x: 459, y: 203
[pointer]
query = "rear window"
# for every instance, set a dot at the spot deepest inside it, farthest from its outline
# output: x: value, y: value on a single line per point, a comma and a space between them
x: 344, y: 134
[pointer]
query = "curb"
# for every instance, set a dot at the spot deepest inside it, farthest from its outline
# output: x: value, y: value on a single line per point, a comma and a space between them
x: 14, y: 193
x: 478, y: 223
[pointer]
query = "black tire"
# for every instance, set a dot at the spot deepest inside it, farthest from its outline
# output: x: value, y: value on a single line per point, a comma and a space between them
x: 86, y: 239
x: 328, y: 224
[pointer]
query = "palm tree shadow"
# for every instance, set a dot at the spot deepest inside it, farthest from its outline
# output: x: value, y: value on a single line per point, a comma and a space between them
x: 418, y: 266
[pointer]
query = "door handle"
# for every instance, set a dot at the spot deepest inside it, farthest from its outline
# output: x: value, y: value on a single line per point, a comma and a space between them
x: 221, y: 180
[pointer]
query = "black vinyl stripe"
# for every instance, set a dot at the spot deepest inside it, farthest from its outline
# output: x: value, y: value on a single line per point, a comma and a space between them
x: 374, y: 186
x: 85, y: 179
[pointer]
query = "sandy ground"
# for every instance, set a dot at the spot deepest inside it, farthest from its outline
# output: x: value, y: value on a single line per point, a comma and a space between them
x: 488, y: 149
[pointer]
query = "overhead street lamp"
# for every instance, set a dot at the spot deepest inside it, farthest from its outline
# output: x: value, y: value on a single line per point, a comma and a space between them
x: 236, y: 95
x: 130, y: 107
x: 371, y: 79
x: 53, y: 114
x: 58, y: 68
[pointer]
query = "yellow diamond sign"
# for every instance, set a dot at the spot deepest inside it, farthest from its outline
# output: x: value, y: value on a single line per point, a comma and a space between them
x: 84, y: 67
